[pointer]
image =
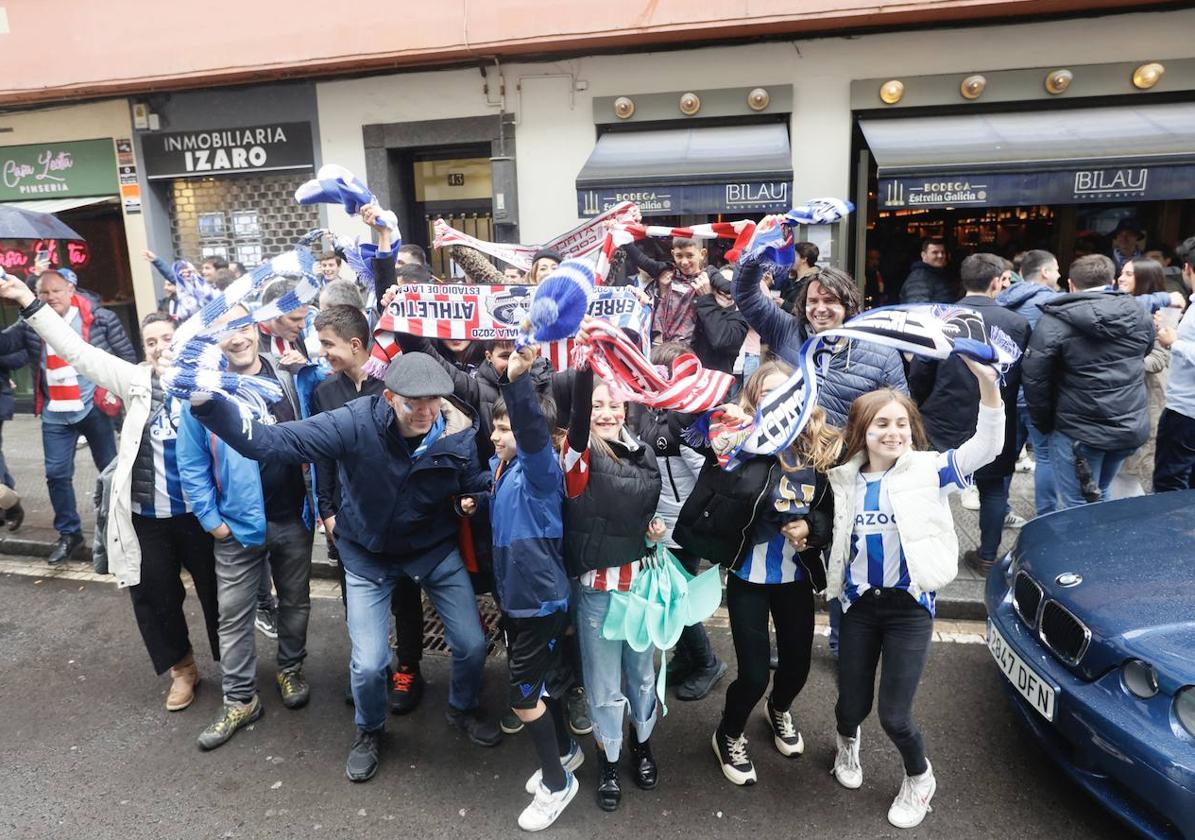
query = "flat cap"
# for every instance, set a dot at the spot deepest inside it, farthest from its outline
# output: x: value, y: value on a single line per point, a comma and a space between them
x: 418, y: 375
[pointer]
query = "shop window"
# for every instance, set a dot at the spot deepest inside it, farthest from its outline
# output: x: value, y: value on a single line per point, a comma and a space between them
x: 214, y: 251
x: 244, y: 223
x: 249, y: 254
x: 211, y: 225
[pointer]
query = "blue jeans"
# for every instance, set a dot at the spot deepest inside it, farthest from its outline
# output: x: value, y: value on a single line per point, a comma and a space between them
x: 58, y: 444
x: 1045, y: 492
x: 608, y: 665
x: 993, y: 507
x: 1103, y: 463
x: 450, y: 591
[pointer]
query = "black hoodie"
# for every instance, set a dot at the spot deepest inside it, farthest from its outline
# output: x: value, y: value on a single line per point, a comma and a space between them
x: 1084, y: 371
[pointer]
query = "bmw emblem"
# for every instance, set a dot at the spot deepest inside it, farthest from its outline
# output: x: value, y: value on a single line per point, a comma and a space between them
x: 1068, y: 579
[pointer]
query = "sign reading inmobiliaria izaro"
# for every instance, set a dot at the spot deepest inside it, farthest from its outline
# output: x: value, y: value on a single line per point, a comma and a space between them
x: 57, y: 170
x: 259, y: 148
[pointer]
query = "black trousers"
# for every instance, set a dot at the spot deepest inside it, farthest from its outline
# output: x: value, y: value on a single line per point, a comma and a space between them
x: 887, y: 623
x: 167, y: 547
x: 406, y: 604
x: 791, y: 607
x: 1174, y: 458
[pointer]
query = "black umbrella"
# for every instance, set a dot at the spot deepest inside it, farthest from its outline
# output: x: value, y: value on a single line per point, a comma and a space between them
x: 16, y: 223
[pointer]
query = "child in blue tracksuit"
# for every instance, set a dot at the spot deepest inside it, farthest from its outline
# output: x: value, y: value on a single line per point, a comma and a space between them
x: 530, y: 583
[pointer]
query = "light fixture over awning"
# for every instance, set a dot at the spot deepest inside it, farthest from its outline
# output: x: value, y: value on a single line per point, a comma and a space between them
x: 740, y: 169
x: 1073, y: 156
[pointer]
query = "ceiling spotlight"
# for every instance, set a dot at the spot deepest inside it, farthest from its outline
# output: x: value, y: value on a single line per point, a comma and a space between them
x: 891, y: 92
x: 1058, y: 81
x: 972, y: 86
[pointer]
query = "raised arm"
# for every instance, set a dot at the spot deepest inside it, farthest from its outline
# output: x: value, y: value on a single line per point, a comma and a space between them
x: 533, y: 438
x: 325, y: 436
x: 779, y: 330
x: 477, y: 268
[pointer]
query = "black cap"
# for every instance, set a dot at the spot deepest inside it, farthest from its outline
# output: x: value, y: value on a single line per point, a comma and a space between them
x: 418, y: 375
x: 546, y: 253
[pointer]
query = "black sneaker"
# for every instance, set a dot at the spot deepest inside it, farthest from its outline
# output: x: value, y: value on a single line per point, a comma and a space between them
x: 978, y: 564
x: 732, y: 755
x: 406, y: 689
x: 473, y: 723
x: 64, y: 548
x: 577, y: 709
x: 680, y: 666
x: 363, y: 757
x: 702, y: 681
x: 644, y: 764
x: 609, y: 791
x: 14, y: 516
x: 294, y: 689
x: 266, y: 622
x: 785, y: 734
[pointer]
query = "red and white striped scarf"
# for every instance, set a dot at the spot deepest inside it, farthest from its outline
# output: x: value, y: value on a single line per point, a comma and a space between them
x: 689, y: 389
x: 61, y: 379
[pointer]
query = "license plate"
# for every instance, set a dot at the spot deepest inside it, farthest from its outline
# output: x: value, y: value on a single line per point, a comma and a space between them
x: 1024, y: 679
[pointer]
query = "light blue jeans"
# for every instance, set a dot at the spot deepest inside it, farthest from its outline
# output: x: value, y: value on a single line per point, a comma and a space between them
x: 450, y: 591
x: 1103, y: 463
x: 1045, y: 492
x: 617, y: 679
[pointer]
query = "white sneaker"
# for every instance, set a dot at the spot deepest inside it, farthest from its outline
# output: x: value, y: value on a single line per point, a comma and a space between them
x: 1026, y: 462
x: 912, y: 803
x: 1011, y: 520
x: 785, y: 734
x: 970, y: 498
x: 847, y: 769
x: 570, y: 762
x: 547, y: 806
x: 732, y: 755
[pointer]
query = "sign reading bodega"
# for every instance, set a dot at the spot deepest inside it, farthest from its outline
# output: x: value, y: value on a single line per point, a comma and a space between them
x: 261, y: 148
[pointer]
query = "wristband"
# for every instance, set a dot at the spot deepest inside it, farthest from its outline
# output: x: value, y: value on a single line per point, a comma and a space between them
x: 31, y: 309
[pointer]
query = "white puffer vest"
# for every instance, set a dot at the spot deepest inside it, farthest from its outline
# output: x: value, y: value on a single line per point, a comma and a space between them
x: 922, y: 517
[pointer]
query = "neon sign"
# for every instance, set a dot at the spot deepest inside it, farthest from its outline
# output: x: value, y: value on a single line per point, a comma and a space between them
x: 22, y: 255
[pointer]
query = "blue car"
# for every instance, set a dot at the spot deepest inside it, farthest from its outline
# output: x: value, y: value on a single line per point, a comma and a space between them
x: 1091, y: 620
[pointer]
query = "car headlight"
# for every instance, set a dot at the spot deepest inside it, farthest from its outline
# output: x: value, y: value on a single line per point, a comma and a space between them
x: 1139, y: 678
x: 1184, y: 709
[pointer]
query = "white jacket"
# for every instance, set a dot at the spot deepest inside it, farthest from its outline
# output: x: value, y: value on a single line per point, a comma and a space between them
x: 920, y: 504
x: 133, y: 384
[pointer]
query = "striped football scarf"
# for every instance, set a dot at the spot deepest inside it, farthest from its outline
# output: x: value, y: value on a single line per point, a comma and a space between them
x: 62, y: 381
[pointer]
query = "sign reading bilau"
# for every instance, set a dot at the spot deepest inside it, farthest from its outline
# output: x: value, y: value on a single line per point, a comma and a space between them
x: 664, y: 200
x: 259, y: 148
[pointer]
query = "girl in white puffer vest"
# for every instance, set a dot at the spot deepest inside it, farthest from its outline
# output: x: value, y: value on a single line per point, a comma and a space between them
x: 894, y: 546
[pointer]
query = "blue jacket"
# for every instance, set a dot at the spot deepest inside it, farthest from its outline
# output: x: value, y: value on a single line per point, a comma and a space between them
x: 395, y: 509
x: 221, y: 484
x: 854, y: 369
x: 1026, y: 299
x: 527, y: 513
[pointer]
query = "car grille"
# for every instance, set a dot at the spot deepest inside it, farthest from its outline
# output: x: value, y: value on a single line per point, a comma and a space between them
x: 1063, y: 634
x: 1026, y: 598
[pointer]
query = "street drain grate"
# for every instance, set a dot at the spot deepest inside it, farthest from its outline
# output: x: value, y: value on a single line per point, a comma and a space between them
x: 433, y: 628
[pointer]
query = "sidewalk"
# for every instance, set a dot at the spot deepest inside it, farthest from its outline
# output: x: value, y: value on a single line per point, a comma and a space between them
x: 962, y: 599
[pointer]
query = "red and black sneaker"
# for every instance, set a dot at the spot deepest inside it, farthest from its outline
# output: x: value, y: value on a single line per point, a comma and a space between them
x: 406, y: 685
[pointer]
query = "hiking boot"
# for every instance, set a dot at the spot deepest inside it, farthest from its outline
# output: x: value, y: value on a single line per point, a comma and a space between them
x: 511, y: 725
x: 609, y: 791
x: 473, y: 723
x: 363, y: 757
x: 702, y: 681
x: 577, y: 711
x: 406, y: 689
x: 294, y: 689
x: 847, y: 769
x: 570, y: 762
x: 644, y: 764
x: 548, y: 805
x: 64, y: 548
x: 232, y: 717
x: 266, y: 622
x: 732, y: 755
x: 184, y: 677
x: 785, y: 734
x: 912, y: 802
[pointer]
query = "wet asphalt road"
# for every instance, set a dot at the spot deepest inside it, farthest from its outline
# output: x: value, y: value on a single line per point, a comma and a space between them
x: 88, y: 751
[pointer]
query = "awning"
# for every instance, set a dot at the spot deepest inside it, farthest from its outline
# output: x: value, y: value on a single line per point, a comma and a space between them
x: 57, y: 205
x: 723, y: 169
x: 1079, y: 156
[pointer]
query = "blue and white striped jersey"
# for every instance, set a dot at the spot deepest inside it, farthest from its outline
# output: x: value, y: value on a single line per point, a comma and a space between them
x: 772, y: 559
x: 876, y: 556
x: 168, y: 498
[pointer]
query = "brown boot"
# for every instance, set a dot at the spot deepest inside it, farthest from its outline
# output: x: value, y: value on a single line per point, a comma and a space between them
x: 185, y: 676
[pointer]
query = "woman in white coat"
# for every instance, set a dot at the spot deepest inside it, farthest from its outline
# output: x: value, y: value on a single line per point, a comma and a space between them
x: 152, y: 534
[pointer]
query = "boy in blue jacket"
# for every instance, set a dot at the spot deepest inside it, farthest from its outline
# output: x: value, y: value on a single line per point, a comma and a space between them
x: 531, y: 585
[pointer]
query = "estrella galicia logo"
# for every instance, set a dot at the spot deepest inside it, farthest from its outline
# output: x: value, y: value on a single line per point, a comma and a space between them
x: 509, y: 307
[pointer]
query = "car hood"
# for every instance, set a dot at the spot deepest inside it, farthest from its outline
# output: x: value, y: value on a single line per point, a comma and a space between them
x: 1135, y: 557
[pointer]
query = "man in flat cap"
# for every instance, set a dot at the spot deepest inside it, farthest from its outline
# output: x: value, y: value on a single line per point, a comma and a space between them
x: 407, y: 465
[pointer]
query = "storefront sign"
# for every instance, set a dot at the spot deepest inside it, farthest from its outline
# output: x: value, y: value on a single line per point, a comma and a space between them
x: 1068, y: 186
x: 57, y: 170
x: 745, y: 198
x: 18, y: 256
x: 196, y: 154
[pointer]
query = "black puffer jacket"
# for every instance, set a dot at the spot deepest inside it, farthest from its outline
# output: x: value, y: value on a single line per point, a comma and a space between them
x: 719, y: 334
x: 1084, y: 371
